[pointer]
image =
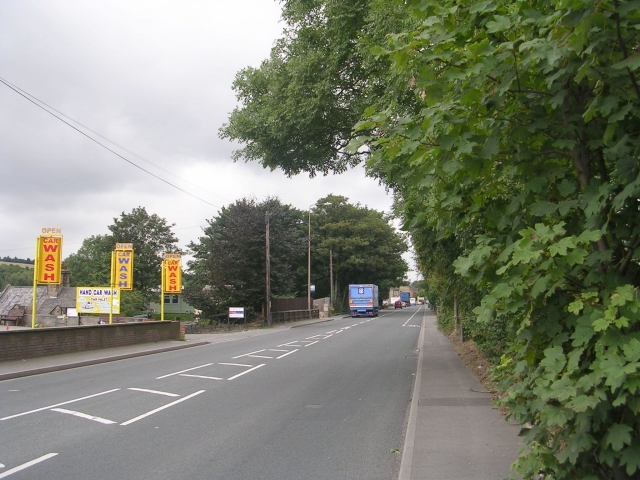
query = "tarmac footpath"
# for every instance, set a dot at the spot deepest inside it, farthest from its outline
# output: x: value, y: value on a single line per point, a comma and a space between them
x: 454, y: 432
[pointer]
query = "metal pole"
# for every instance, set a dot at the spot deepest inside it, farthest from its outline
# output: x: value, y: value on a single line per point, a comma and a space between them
x: 112, y: 285
x: 331, y: 278
x: 36, y: 265
x: 162, y: 291
x: 266, y: 220
x: 309, y: 267
x: 455, y: 313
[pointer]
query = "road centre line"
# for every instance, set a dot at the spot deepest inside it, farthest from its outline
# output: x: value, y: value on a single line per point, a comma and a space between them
x: 59, y: 404
x: 144, y: 415
x: 153, y: 391
x: 27, y: 465
x: 83, y: 415
x: 332, y: 331
x: 200, y: 376
x: 243, y: 373
x: 288, y: 353
x: 182, y: 371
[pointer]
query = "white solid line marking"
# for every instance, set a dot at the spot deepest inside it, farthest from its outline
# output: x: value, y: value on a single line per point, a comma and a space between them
x: 59, y: 404
x: 312, y: 343
x: 289, y: 344
x: 243, y: 373
x: 83, y: 415
x: 282, y: 356
x: 154, y: 391
x: 182, y: 371
x: 27, y: 465
x: 199, y: 376
x: 129, y: 422
x: 405, y: 323
x: 332, y: 331
x: 250, y: 353
x: 236, y: 364
x: 1, y: 465
x: 277, y: 350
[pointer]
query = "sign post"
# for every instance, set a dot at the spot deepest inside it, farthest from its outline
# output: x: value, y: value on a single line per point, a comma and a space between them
x: 235, y: 312
x: 122, y: 269
x: 47, y: 265
x: 171, y: 278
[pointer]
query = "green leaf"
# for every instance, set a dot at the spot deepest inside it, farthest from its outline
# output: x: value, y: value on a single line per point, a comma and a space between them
x: 498, y: 24
x: 618, y: 436
x: 632, y: 63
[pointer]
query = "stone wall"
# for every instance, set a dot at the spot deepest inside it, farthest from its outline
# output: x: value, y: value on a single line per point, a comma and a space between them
x: 19, y: 344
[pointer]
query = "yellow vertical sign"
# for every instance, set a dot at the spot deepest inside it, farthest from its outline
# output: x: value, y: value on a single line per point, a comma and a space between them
x: 172, y: 273
x: 124, y: 266
x: 49, y: 259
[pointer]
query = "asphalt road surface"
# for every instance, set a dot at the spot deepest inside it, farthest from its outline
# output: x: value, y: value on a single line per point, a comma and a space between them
x: 323, y: 401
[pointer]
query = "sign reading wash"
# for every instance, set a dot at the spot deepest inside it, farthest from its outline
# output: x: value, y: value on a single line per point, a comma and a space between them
x: 96, y: 300
x: 49, y: 258
x: 124, y: 266
x: 172, y: 271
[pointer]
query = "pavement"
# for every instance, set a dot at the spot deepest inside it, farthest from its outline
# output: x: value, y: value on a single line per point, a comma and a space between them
x: 453, y: 431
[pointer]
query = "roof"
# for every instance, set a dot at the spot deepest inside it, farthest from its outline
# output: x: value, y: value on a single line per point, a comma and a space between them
x: 44, y: 304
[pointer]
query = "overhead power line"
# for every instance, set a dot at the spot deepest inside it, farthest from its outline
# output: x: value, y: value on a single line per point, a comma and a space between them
x: 40, y: 103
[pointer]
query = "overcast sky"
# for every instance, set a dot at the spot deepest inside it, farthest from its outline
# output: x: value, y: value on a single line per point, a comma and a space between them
x: 154, y: 77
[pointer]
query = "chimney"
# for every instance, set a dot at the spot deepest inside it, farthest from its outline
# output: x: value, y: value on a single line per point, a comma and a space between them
x: 66, y: 275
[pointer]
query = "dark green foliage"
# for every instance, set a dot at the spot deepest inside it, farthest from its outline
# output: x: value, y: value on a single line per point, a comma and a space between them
x: 365, y: 248
x: 15, y: 275
x: 509, y: 132
x: 229, y: 266
x: 151, y: 237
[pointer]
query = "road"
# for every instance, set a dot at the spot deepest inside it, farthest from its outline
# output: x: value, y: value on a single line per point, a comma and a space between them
x: 323, y: 401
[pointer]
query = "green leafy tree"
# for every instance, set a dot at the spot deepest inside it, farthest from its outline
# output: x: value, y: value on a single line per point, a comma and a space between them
x: 90, y: 265
x: 364, y: 247
x: 15, y: 275
x: 508, y: 129
x: 298, y: 109
x: 151, y: 237
x: 526, y: 136
x: 229, y: 265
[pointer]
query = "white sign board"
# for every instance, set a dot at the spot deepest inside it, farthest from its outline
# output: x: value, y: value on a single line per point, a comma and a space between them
x: 236, y: 312
x: 96, y: 300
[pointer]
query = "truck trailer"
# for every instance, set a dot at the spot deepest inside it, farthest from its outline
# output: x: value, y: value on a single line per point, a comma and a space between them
x: 363, y: 300
x: 405, y: 298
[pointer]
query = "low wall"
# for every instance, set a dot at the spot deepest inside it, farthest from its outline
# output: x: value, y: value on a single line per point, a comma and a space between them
x: 19, y: 344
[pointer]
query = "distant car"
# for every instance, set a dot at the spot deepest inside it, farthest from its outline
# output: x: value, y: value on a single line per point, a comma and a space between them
x: 397, y: 304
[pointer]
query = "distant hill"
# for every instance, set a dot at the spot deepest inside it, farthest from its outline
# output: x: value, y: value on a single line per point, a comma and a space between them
x: 17, y: 261
x: 19, y: 264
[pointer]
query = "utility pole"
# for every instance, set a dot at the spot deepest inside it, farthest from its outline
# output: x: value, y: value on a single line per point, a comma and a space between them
x: 331, y: 277
x: 268, y: 309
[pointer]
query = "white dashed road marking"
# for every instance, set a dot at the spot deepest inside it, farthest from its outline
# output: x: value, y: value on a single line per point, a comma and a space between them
x: 59, y: 404
x: 83, y: 415
x: 154, y: 391
x: 27, y: 465
x: 144, y: 415
x: 182, y: 371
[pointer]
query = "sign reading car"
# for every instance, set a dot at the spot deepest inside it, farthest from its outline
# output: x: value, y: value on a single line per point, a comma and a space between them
x: 96, y: 300
x: 49, y: 255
